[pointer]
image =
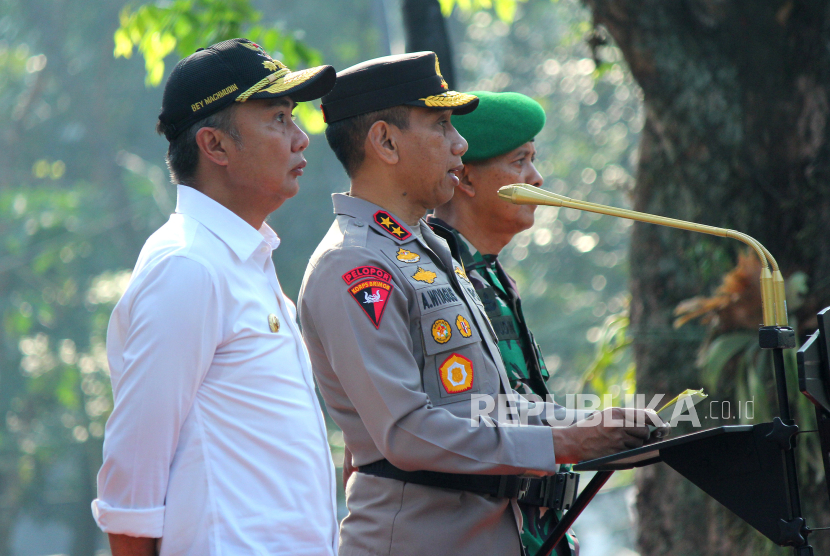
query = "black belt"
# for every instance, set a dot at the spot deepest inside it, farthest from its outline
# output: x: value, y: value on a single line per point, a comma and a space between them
x: 556, y: 492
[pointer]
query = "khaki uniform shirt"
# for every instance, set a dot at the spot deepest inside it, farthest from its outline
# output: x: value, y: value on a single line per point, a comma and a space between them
x: 400, y: 345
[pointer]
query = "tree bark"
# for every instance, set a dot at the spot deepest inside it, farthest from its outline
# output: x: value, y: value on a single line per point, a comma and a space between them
x: 425, y: 29
x: 736, y: 135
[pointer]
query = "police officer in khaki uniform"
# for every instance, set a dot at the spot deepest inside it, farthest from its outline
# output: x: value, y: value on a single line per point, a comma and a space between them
x: 477, y: 224
x: 400, y: 344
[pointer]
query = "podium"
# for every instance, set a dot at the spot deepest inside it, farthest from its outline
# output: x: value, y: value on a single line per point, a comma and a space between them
x: 749, y: 469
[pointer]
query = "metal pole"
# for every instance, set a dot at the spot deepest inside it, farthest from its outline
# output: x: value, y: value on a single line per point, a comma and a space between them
x: 786, y: 416
x: 568, y: 519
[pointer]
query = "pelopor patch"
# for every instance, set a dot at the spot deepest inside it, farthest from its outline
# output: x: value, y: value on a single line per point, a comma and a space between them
x: 372, y: 294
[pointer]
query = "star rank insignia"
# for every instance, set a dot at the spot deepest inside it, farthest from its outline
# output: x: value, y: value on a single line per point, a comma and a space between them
x: 407, y: 256
x: 391, y: 226
x: 423, y: 275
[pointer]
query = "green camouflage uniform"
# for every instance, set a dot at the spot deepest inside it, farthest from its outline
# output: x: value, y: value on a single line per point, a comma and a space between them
x: 522, y: 360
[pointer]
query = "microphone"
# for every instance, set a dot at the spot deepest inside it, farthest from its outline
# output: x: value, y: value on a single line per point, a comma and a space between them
x: 773, y: 298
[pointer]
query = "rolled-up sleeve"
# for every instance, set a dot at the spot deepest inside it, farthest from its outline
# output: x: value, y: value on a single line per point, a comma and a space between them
x: 161, y: 341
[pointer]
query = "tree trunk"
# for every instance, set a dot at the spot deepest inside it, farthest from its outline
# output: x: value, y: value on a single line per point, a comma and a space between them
x: 736, y: 135
x: 425, y: 29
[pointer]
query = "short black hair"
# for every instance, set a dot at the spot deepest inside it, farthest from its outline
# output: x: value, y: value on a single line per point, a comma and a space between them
x: 183, y: 152
x: 347, y: 137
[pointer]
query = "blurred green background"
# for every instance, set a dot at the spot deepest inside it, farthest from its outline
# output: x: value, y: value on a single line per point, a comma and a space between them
x: 83, y: 183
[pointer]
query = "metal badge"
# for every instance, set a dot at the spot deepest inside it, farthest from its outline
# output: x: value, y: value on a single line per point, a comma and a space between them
x: 273, y: 323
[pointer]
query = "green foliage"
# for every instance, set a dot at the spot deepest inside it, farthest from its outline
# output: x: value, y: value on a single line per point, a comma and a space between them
x: 505, y: 10
x: 612, y: 373
x: 733, y: 365
x: 157, y: 30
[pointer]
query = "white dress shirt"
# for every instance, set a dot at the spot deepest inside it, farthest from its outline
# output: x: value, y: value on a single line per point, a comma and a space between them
x: 216, y: 443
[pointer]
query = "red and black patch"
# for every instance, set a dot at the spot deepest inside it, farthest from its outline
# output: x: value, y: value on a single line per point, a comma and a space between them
x: 392, y: 226
x: 372, y: 294
x: 366, y: 272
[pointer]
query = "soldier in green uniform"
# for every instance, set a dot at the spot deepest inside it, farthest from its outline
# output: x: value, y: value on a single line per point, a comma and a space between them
x: 477, y: 224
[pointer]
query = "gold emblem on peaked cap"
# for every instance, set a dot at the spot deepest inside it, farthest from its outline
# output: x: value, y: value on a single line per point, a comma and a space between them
x: 438, y: 71
x: 273, y: 65
x: 273, y: 323
x: 423, y: 275
x: 252, y: 46
x: 449, y: 99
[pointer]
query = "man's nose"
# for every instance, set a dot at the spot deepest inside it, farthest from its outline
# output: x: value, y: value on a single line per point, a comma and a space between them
x: 300, y: 140
x: 459, y: 144
x: 535, y: 178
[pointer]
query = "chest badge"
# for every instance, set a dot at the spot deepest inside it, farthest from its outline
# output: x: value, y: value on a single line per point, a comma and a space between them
x: 456, y: 374
x: 441, y: 331
x: 426, y: 276
x: 390, y: 225
x: 461, y: 273
x: 274, y: 323
x: 407, y: 256
x: 463, y: 326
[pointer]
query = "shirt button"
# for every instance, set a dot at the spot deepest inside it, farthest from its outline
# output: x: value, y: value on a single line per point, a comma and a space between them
x: 273, y: 323
x: 358, y: 223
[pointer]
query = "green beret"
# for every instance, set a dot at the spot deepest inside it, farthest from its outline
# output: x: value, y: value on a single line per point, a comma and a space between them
x: 502, y: 122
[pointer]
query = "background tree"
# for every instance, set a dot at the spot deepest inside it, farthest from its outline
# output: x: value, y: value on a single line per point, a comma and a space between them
x: 425, y: 29
x: 736, y: 135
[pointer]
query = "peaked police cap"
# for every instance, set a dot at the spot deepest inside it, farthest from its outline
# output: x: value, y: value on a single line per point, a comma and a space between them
x: 412, y: 79
x: 235, y: 70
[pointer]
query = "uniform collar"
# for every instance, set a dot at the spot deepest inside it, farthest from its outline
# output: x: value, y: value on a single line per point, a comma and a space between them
x: 382, y: 220
x: 237, y: 234
x: 466, y: 251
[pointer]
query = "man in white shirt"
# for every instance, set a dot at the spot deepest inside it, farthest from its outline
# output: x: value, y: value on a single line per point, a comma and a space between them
x: 216, y: 444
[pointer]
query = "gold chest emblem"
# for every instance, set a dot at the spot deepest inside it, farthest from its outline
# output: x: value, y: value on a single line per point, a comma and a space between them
x: 463, y: 326
x: 407, y: 256
x: 441, y: 331
x: 273, y: 323
x: 426, y: 276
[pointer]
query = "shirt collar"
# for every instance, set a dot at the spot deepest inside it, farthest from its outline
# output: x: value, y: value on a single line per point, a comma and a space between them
x: 237, y: 234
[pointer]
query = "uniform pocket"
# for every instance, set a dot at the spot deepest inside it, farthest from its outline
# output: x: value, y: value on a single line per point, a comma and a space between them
x: 453, y: 363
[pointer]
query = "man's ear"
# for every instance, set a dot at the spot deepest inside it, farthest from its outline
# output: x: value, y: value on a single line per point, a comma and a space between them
x: 382, y: 142
x: 466, y: 181
x: 212, y: 143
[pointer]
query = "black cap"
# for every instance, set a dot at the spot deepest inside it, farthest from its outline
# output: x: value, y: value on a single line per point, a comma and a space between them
x: 234, y: 70
x: 412, y: 79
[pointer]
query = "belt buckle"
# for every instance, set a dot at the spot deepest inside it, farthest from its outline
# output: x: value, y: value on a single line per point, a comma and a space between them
x: 524, y: 485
